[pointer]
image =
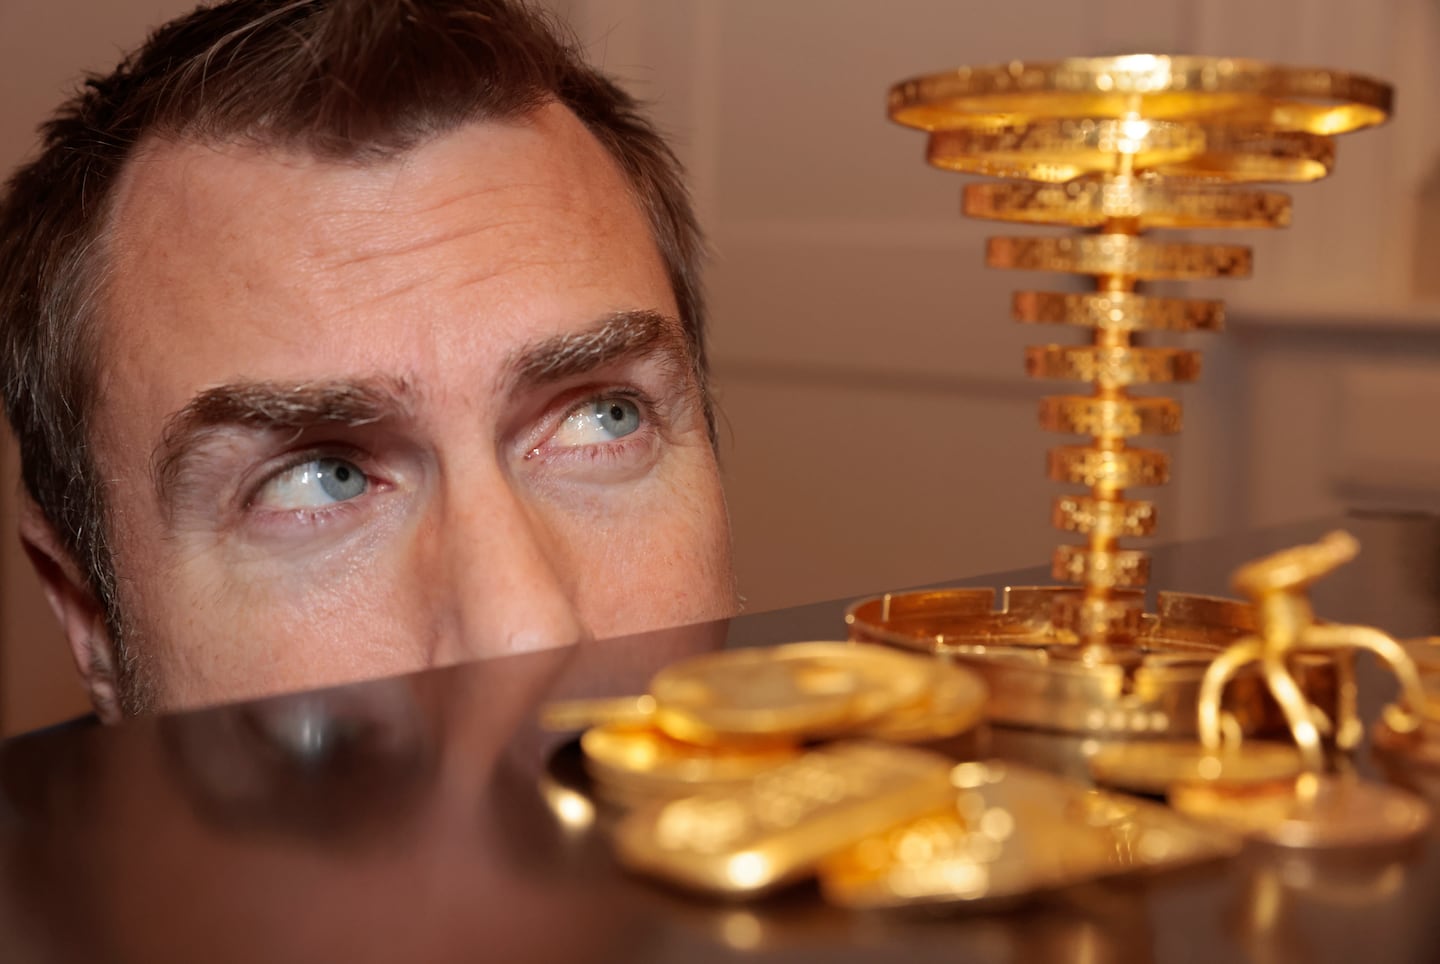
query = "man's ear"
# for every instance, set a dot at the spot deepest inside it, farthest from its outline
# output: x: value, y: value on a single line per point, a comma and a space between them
x: 81, y: 616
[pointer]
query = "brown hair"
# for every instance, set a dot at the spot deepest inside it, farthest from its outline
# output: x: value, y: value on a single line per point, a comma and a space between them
x: 347, y: 80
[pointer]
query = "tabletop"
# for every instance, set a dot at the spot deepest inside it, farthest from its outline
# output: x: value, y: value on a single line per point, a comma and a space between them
x: 428, y: 817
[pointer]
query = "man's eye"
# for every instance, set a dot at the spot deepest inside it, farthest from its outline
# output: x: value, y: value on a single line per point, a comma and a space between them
x: 313, y: 485
x: 602, y: 420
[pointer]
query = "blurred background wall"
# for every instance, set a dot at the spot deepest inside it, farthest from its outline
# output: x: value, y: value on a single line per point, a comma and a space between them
x: 878, y: 431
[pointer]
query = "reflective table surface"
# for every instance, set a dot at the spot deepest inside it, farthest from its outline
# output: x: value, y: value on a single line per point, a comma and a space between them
x: 427, y: 818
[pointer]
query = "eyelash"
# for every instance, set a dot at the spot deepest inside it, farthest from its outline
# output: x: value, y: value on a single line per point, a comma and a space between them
x: 605, y: 451
x: 315, y: 516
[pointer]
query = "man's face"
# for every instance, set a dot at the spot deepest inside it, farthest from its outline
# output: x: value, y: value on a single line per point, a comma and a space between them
x: 360, y: 418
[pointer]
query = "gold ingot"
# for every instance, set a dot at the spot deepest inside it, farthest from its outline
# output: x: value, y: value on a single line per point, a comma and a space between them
x: 1104, y: 569
x: 1121, y: 469
x: 1106, y: 518
x: 1118, y: 311
x: 954, y: 705
x: 1013, y: 832
x: 1154, y: 767
x: 779, y: 826
x: 1310, y: 812
x: 1112, y: 366
x: 1063, y: 150
x: 1109, y: 417
x: 1210, y: 89
x: 1120, y: 255
x: 1149, y: 203
x: 642, y: 757
x: 799, y: 691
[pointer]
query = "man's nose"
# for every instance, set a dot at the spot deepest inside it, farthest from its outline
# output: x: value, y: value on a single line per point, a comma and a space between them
x: 510, y: 585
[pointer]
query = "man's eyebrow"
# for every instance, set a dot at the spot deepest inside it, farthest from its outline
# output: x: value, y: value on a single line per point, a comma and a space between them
x: 265, y: 405
x: 624, y: 334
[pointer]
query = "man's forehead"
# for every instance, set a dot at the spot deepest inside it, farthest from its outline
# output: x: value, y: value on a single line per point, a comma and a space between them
x: 177, y: 180
x: 230, y: 262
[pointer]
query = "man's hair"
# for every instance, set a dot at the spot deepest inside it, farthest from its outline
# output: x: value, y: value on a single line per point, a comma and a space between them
x: 345, y: 80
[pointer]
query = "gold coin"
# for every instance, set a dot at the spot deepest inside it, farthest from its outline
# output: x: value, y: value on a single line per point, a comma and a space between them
x: 1120, y: 255
x: 955, y: 703
x: 1114, y: 367
x: 1119, y: 311
x: 1148, y: 202
x: 568, y: 715
x: 1122, y: 469
x: 1308, y: 812
x: 1109, y: 417
x: 799, y: 690
x: 1218, y: 90
x: 1154, y: 766
x: 626, y: 752
x: 1115, y: 569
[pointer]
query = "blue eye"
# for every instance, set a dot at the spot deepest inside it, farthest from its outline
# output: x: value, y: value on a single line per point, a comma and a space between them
x: 314, y: 484
x: 597, y: 422
x: 617, y: 417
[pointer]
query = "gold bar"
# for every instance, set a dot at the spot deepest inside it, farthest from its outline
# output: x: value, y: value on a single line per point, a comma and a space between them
x: 1014, y: 832
x: 781, y: 825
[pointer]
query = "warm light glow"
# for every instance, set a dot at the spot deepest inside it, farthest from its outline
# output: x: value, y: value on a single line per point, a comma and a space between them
x: 572, y: 810
x: 747, y: 869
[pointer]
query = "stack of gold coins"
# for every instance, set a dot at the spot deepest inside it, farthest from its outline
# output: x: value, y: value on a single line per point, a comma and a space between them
x: 719, y: 720
x: 745, y: 770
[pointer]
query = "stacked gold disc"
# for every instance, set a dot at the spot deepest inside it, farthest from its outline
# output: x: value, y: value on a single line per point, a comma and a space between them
x: 1121, y: 146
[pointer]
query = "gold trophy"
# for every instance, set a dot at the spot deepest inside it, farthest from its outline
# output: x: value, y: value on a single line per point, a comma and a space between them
x: 741, y: 771
x: 1120, y: 146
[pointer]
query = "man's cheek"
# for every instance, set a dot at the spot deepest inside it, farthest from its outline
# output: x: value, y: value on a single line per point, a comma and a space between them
x: 299, y: 627
x: 661, y: 561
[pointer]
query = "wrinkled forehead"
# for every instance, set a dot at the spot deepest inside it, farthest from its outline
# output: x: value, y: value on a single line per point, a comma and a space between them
x: 229, y: 190
x: 217, y: 250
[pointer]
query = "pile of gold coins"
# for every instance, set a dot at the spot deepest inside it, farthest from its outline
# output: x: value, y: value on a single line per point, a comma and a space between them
x: 745, y: 770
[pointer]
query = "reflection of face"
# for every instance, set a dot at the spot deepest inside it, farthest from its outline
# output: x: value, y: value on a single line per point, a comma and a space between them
x: 363, y: 417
